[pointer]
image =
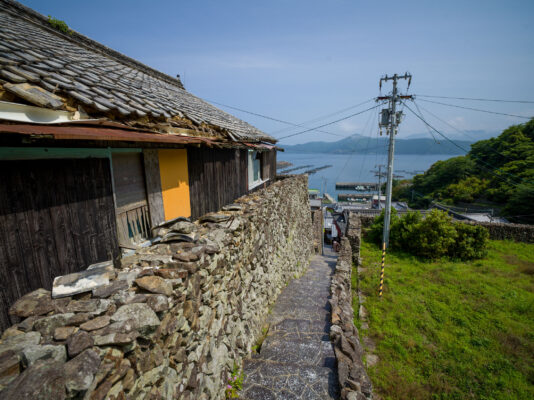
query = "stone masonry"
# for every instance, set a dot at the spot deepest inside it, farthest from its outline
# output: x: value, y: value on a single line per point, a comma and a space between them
x: 172, y: 320
x: 353, y: 379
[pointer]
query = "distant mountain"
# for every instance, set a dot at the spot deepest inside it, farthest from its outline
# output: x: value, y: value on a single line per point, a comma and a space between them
x: 358, y: 144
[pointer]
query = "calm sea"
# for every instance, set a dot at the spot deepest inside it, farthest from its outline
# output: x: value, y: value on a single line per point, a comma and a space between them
x: 355, y: 167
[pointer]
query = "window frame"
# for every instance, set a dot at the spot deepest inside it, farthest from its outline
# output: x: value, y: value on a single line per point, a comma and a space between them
x: 253, y: 157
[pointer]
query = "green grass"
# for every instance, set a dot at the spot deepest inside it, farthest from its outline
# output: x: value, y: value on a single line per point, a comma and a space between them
x: 452, y: 330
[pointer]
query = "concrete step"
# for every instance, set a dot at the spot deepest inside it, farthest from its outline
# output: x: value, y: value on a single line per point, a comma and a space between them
x: 270, y: 380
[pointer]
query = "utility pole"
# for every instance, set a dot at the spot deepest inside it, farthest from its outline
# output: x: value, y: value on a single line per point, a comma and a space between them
x: 379, y: 186
x: 390, y: 119
x: 380, y: 174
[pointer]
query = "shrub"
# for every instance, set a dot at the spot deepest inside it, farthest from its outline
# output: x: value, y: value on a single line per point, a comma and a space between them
x: 471, y: 242
x: 375, y: 231
x: 402, y: 230
x: 432, y: 237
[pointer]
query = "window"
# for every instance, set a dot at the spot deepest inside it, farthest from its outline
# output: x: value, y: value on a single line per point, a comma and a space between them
x: 254, y: 169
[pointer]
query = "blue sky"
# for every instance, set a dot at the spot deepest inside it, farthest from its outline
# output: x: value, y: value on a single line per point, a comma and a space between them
x: 299, y: 60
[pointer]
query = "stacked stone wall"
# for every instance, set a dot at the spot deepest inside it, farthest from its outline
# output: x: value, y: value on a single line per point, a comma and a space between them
x: 172, y: 321
x: 515, y: 232
x: 353, y: 379
x: 354, y: 234
x: 317, y: 218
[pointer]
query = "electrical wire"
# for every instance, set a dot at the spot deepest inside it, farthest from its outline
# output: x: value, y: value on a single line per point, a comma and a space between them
x: 427, y: 128
x: 330, y: 123
x: 354, y: 150
x: 460, y: 131
x: 476, y: 109
x: 422, y: 117
x: 303, y: 124
x: 478, y: 99
x: 445, y: 122
x: 287, y: 122
x: 466, y: 151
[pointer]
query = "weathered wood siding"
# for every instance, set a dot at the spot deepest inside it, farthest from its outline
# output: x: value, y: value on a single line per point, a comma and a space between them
x: 56, y: 217
x: 269, y: 164
x: 216, y: 178
x: 219, y: 176
x: 133, y: 220
x: 153, y: 186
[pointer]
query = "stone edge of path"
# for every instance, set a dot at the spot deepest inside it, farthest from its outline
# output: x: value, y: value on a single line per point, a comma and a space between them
x: 354, y: 382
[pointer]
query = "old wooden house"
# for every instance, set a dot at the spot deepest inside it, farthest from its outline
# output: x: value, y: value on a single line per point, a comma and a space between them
x: 97, y: 148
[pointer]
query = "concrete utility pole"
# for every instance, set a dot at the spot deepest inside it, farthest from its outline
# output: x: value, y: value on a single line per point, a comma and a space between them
x: 380, y: 174
x: 380, y: 186
x: 390, y: 119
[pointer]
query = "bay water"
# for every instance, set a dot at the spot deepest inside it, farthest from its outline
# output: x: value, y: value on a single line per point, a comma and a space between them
x: 355, y: 167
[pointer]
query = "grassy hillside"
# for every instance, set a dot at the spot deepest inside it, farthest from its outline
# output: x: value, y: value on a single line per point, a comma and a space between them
x: 452, y: 330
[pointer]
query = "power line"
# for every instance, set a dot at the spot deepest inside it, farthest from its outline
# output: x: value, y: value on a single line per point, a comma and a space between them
x: 460, y: 131
x: 330, y: 123
x: 478, y: 99
x: 303, y: 124
x: 354, y: 150
x: 463, y: 149
x: 477, y: 109
x: 287, y: 122
x: 420, y: 116
x: 427, y: 128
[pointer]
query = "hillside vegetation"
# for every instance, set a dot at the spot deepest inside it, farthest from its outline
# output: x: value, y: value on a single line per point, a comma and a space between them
x: 498, y: 171
x: 435, y: 236
x: 451, y: 330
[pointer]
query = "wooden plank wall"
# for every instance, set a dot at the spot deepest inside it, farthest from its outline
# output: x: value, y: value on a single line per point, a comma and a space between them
x: 269, y: 164
x: 216, y: 177
x: 153, y: 186
x: 56, y: 217
x: 219, y: 176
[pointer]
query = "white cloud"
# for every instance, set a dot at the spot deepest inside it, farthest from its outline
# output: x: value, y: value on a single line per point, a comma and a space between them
x: 348, y: 126
x: 458, y: 122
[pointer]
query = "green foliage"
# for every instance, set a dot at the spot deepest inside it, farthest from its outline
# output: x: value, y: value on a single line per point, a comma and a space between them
x: 59, y: 25
x: 498, y: 170
x: 451, y: 329
x: 521, y: 203
x: 432, y: 237
x: 401, y: 190
x: 466, y: 190
x: 235, y: 383
x: 443, y: 173
x: 470, y: 243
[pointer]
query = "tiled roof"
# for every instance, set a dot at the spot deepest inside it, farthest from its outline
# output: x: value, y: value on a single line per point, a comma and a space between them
x: 87, y: 73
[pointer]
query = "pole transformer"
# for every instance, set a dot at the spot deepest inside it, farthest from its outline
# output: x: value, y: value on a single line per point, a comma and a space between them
x: 390, y: 119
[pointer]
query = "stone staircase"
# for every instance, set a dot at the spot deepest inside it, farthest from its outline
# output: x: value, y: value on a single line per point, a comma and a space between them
x: 296, y: 360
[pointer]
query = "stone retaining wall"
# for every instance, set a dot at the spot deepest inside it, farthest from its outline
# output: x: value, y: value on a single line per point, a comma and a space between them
x: 353, y: 379
x: 354, y: 234
x: 317, y: 218
x: 515, y: 232
x: 170, y: 322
